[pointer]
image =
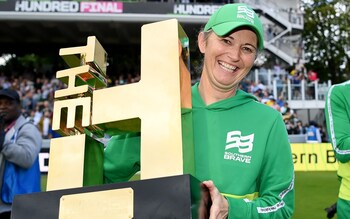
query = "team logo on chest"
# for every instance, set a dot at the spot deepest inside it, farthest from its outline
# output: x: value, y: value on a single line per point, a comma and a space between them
x: 237, y: 146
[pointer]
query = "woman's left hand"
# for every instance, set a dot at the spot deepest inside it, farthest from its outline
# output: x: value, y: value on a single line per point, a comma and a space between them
x: 219, y: 207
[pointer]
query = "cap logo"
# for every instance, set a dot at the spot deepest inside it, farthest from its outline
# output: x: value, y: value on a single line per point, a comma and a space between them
x: 244, y: 12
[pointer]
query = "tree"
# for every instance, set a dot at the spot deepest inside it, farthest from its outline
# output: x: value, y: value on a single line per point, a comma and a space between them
x: 28, y: 66
x: 327, y: 38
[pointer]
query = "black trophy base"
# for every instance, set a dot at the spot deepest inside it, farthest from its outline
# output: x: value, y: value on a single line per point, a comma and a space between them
x: 167, y: 197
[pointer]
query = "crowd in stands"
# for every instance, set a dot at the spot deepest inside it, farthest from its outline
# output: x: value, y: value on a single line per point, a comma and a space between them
x: 314, y: 132
x: 38, y: 97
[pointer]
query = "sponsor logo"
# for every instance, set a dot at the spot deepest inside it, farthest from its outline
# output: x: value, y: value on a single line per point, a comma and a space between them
x: 69, y: 6
x: 101, y: 7
x: 244, y: 144
x: 47, y: 6
x: 270, y: 209
x: 237, y: 157
x: 189, y: 9
x: 245, y: 13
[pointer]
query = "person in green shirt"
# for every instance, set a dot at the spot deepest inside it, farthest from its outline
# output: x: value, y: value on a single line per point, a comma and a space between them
x: 337, y: 112
x: 242, y: 152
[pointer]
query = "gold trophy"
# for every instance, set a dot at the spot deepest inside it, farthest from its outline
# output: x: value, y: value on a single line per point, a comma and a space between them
x: 158, y: 106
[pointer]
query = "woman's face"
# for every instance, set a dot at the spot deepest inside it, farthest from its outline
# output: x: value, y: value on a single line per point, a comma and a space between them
x: 227, y: 60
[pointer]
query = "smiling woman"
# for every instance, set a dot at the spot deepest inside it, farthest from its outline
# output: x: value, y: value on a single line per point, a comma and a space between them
x: 242, y: 152
x: 227, y: 61
x: 246, y: 167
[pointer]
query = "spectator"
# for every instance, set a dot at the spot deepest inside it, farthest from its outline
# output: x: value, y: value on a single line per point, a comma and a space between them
x: 272, y: 103
x: 257, y: 92
x: 297, y: 78
x: 20, y: 142
x: 289, y: 126
x: 280, y: 101
x: 266, y: 96
x: 287, y: 112
x: 299, y: 128
x: 312, y: 76
x: 313, y: 133
x: 279, y: 83
x: 46, y: 124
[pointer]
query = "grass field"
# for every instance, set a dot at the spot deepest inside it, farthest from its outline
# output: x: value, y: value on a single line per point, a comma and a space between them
x: 314, y: 191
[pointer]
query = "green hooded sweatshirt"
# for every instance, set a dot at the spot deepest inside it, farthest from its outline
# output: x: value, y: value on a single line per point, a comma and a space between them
x: 337, y: 111
x: 242, y: 146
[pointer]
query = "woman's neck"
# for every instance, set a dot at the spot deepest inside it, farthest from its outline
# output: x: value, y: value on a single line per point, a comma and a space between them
x: 211, y: 94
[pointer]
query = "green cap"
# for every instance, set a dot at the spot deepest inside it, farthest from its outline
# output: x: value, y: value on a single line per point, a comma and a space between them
x: 232, y: 16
